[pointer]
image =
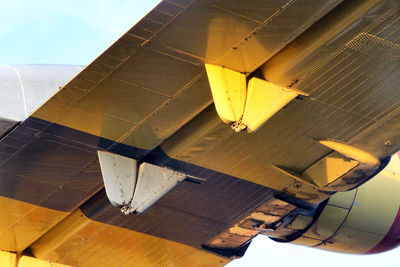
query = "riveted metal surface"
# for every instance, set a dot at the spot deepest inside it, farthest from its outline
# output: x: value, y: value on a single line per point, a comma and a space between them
x: 22, y: 223
x: 123, y: 105
x: 240, y: 37
x: 289, y: 138
x: 353, y: 68
x: 357, y: 221
x: 249, y: 157
x: 161, y: 59
x: 264, y: 219
x: 191, y: 214
x: 328, y: 223
x: 95, y: 243
x: 100, y: 109
x: 6, y: 126
x: 60, y: 164
x: 43, y: 169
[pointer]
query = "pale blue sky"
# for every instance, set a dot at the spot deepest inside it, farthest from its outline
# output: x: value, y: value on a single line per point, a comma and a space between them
x: 76, y: 32
x: 64, y: 32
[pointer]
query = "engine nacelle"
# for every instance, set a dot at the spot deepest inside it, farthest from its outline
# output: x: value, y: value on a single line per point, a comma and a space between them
x: 365, y: 220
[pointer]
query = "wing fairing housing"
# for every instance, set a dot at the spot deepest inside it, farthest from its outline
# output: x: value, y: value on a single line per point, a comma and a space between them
x: 361, y: 221
x: 119, y: 175
x: 135, y: 187
x: 242, y: 105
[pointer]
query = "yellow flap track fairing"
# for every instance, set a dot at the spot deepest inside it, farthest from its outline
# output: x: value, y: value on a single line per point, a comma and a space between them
x: 246, y: 106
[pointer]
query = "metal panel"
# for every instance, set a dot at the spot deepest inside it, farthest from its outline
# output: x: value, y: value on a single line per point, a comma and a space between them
x: 331, y: 219
x: 346, y: 241
x: 157, y: 72
x: 8, y: 259
x: 377, y: 217
x: 103, y: 100
x: 288, y: 139
x: 205, y: 31
x: 95, y: 243
x: 280, y: 22
x: 353, y: 67
x: 357, y: 221
x: 12, y: 100
x: 331, y: 74
x: 57, y: 167
x: 343, y: 200
x: 119, y: 175
x: 250, y: 157
x: 306, y: 241
x: 44, y: 169
x: 6, y: 126
x: 161, y: 60
x: 191, y: 214
x: 22, y: 223
x: 153, y: 183
x: 236, y: 35
x: 24, y: 88
x: 264, y: 219
x: 26, y: 261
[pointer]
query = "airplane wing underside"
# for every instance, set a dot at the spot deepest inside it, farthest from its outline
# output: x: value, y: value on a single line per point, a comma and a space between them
x: 148, y: 97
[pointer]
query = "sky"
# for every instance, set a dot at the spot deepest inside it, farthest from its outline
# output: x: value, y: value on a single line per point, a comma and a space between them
x: 76, y: 32
x: 64, y: 32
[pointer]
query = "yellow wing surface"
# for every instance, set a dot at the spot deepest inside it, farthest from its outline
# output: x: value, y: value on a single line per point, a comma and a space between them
x: 148, y: 97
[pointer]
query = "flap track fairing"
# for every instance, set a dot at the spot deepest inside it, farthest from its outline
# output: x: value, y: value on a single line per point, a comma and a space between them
x: 135, y: 187
x: 246, y: 106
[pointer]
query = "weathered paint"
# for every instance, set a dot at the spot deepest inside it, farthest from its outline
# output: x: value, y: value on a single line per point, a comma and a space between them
x: 80, y: 241
x: 179, y: 78
x: 56, y: 168
x: 392, y: 238
x: 10, y: 259
x: 26, y: 261
x: 364, y: 220
x: 21, y: 223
